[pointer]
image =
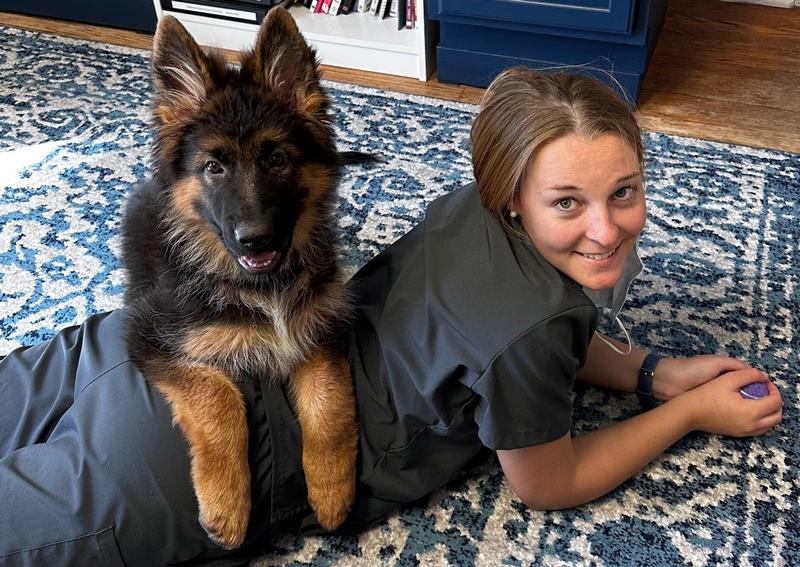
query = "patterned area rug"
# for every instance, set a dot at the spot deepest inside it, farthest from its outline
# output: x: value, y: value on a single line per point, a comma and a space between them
x: 722, y: 275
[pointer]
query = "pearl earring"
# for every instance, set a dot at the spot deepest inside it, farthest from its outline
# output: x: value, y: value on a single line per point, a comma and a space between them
x: 514, y: 214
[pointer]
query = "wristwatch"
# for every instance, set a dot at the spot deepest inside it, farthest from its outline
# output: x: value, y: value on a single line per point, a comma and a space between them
x: 644, y: 386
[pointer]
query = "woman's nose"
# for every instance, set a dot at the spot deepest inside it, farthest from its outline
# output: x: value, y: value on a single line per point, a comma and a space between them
x: 602, y: 228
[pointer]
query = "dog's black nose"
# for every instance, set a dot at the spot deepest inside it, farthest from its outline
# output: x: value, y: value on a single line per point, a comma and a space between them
x: 253, y: 236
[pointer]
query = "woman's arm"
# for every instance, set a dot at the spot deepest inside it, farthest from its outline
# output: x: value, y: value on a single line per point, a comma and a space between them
x: 606, y: 368
x: 572, y: 471
x: 609, y: 369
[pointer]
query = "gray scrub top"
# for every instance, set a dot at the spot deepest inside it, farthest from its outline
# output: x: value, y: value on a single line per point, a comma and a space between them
x: 464, y: 338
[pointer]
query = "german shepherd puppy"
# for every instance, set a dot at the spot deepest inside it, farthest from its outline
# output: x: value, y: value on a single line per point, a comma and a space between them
x: 231, y: 265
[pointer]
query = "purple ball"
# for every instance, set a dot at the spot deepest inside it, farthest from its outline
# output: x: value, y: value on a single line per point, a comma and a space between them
x: 754, y: 391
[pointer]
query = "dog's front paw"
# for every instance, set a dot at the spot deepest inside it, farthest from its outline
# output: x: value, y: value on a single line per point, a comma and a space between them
x: 331, y: 494
x: 226, y: 531
x: 225, y: 512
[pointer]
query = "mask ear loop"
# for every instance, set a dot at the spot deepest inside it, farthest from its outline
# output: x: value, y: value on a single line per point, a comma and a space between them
x: 612, y: 345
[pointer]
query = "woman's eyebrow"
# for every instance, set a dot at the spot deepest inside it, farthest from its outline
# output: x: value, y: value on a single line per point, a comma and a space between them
x: 628, y: 177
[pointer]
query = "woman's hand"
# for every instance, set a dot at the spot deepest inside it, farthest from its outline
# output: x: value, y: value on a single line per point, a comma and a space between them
x: 674, y: 376
x: 717, y: 406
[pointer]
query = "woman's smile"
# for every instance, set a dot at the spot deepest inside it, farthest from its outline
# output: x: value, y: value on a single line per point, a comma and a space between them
x: 598, y: 257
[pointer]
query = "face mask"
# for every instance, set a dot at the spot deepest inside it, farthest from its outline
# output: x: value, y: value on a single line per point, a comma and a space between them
x: 609, y: 302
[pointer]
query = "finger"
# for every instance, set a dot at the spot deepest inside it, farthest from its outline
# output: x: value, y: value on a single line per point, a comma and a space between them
x: 773, y: 390
x: 745, y: 376
x: 768, y: 405
x: 725, y: 364
x: 771, y: 420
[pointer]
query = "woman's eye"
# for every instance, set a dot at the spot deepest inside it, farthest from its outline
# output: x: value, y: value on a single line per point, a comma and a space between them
x: 623, y: 192
x: 213, y: 167
x: 565, y: 204
x: 278, y: 159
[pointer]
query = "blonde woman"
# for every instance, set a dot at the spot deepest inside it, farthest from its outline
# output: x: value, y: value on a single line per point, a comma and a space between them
x: 473, y: 327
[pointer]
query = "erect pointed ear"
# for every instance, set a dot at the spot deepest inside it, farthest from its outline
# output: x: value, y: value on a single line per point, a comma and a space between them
x: 284, y: 63
x: 181, y: 71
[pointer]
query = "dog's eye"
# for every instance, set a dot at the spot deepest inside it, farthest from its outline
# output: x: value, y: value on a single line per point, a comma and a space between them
x: 213, y: 167
x: 278, y: 158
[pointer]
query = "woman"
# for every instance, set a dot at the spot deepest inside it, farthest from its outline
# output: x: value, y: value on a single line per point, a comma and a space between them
x: 472, y: 328
x: 469, y: 334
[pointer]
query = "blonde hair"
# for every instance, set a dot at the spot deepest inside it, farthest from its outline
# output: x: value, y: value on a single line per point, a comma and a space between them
x: 524, y: 109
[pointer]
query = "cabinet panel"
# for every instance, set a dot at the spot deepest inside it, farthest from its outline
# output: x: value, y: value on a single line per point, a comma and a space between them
x: 136, y: 15
x: 601, y: 15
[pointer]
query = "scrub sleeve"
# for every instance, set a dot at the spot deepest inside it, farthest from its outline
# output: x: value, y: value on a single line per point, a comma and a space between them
x: 92, y: 470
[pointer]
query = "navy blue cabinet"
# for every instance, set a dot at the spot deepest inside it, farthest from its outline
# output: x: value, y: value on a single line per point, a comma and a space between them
x: 139, y: 15
x: 611, y: 39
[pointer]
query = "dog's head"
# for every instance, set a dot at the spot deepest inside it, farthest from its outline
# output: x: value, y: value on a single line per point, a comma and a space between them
x: 247, y: 151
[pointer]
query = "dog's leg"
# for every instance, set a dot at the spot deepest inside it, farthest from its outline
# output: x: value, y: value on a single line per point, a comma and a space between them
x: 211, y: 412
x: 326, y: 409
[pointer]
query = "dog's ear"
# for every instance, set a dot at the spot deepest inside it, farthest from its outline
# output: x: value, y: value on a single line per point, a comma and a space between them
x: 284, y: 63
x: 181, y: 71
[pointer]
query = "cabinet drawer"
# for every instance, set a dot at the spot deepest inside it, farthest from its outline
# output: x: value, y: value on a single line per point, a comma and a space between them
x: 600, y: 15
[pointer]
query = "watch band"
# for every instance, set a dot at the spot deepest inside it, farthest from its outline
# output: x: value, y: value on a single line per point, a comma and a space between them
x: 644, y: 385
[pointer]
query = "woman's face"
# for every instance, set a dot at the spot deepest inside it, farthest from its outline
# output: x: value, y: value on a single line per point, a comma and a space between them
x: 582, y: 204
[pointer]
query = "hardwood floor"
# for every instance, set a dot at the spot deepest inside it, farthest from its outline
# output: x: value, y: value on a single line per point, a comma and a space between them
x: 721, y: 71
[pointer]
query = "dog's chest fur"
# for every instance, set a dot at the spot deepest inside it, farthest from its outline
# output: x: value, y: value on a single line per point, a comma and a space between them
x: 274, y: 337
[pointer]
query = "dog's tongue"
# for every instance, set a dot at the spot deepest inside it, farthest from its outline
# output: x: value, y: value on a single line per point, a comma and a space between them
x: 263, y: 262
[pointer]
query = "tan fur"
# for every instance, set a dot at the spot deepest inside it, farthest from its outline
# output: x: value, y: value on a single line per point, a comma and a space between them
x: 315, y: 179
x: 326, y: 410
x: 204, y: 248
x: 217, y: 438
x: 280, y: 344
x: 184, y: 194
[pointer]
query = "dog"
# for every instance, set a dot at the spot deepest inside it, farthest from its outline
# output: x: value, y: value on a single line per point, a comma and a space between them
x: 231, y: 267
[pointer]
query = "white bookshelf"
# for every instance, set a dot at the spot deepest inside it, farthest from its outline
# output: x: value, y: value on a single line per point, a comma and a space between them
x: 356, y: 41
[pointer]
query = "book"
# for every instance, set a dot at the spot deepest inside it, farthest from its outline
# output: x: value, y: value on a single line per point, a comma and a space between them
x: 402, y: 6
x: 348, y: 6
x: 335, y: 6
x: 376, y: 7
x: 312, y: 7
x: 411, y: 14
x: 326, y: 6
x: 385, y: 9
x: 364, y: 6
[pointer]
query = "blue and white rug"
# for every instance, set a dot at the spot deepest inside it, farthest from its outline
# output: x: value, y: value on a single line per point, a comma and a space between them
x: 723, y: 275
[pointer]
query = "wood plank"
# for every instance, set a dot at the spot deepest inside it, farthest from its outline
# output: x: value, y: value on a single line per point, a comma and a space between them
x: 405, y: 85
x: 77, y: 30
x: 739, y: 84
x: 719, y: 120
x: 732, y: 14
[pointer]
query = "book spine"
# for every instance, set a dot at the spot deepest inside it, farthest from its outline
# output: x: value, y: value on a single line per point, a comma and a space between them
x: 401, y: 14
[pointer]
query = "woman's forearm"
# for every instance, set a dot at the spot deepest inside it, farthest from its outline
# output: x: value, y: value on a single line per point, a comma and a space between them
x: 580, y: 469
x: 607, y: 457
x: 609, y: 369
